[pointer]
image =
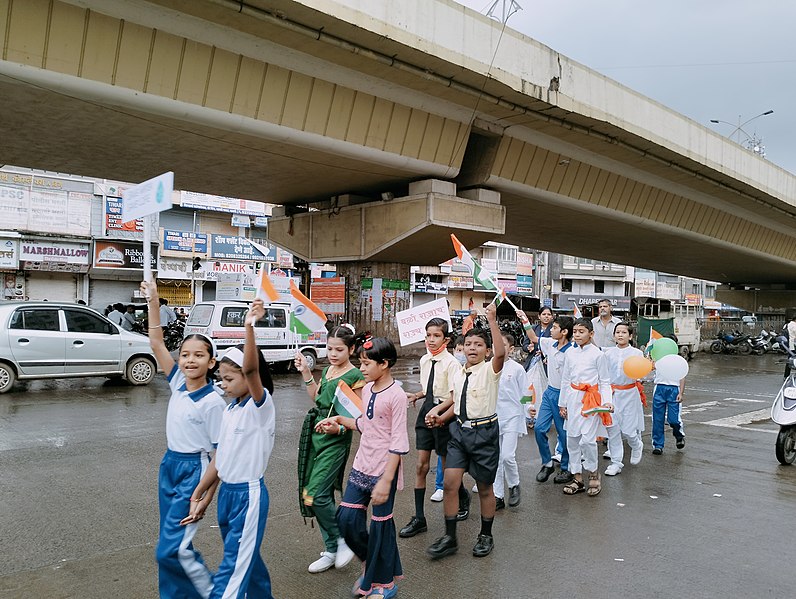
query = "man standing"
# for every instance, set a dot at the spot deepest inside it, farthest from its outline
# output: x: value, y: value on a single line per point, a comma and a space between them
x: 128, y: 318
x: 167, y: 315
x: 115, y: 315
x: 604, y: 325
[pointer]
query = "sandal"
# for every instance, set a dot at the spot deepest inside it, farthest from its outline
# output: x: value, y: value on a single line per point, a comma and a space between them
x: 576, y: 486
x: 595, y: 485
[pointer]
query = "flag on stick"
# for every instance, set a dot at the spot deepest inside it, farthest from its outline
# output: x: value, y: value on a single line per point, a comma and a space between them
x: 483, y: 277
x: 305, y: 316
x: 265, y: 288
x: 577, y: 313
x: 346, y: 402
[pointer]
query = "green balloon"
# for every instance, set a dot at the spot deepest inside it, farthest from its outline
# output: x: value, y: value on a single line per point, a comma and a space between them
x: 663, y: 347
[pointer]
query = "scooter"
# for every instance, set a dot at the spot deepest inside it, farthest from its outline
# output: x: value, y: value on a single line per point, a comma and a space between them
x: 783, y: 412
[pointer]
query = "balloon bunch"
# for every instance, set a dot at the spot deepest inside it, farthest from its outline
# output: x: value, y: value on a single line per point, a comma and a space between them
x: 664, y: 358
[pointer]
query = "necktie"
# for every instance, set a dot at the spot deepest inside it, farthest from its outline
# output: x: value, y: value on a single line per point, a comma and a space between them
x: 463, y: 400
x: 430, y: 384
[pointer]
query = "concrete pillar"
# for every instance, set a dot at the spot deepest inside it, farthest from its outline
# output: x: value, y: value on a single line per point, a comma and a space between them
x: 363, y: 304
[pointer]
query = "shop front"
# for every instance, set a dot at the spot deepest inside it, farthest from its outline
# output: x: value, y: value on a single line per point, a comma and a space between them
x: 566, y: 302
x: 116, y: 272
x: 53, y: 269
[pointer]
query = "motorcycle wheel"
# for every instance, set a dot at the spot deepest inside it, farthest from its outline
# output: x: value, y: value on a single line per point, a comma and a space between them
x: 716, y: 347
x: 744, y: 348
x: 786, y: 445
x: 758, y: 351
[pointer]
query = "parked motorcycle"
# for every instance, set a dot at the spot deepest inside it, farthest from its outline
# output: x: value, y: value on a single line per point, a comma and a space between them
x: 731, y: 343
x: 173, y: 335
x: 783, y: 412
x: 759, y: 345
x: 774, y: 343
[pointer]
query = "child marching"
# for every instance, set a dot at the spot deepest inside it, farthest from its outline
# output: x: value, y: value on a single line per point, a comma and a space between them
x: 628, y: 401
x: 437, y: 369
x: 475, y: 436
x: 666, y: 400
x: 585, y: 403
x: 193, y: 423
x: 322, y: 457
x: 244, y: 447
x: 376, y: 473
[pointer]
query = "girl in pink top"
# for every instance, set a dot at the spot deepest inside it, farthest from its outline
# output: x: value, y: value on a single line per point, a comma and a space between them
x: 376, y: 473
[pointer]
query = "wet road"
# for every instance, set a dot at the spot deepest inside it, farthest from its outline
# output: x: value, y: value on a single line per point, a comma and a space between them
x: 78, y: 511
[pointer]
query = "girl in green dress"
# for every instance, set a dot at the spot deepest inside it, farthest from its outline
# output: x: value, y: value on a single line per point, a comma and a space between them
x: 322, y: 458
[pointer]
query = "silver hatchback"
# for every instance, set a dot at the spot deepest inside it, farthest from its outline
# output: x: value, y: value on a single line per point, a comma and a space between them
x: 49, y: 340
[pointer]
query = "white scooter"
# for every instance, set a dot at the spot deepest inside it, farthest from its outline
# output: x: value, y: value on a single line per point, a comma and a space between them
x: 783, y: 412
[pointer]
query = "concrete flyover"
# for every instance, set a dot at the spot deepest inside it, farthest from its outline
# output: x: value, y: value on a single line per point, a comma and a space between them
x: 330, y: 103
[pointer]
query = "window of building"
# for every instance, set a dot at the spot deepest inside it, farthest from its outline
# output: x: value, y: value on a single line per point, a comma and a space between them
x: 710, y: 291
x: 599, y: 286
x: 627, y: 288
x: 695, y: 288
x: 566, y: 285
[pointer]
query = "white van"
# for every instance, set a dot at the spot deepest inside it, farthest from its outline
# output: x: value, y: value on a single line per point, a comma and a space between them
x: 223, y: 321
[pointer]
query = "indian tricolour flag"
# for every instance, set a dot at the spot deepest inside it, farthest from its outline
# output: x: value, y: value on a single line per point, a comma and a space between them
x: 346, y: 402
x: 654, y: 335
x: 577, y: 313
x: 265, y: 288
x: 483, y: 277
x: 305, y: 316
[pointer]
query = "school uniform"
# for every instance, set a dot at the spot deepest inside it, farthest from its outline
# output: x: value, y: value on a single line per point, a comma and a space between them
x: 436, y: 376
x: 245, y: 444
x: 383, y: 428
x: 475, y: 433
x: 585, y: 382
x: 193, y: 423
x: 628, y: 395
x: 665, y: 407
x: 511, y: 421
x: 547, y: 412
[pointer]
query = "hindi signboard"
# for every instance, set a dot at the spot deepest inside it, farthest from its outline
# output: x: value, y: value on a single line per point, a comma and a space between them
x: 412, y: 322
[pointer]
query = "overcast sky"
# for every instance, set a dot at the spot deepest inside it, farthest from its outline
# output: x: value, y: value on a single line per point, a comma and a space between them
x: 708, y: 59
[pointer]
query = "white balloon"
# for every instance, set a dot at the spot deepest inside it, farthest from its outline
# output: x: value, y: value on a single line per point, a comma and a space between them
x: 672, y: 368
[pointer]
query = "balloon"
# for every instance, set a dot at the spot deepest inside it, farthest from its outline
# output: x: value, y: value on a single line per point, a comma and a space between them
x: 663, y: 347
x: 637, y: 367
x: 671, y: 367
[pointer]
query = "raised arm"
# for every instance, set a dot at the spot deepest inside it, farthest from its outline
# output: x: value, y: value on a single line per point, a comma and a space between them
x: 526, y: 326
x: 251, y: 361
x: 498, y: 347
x: 149, y: 289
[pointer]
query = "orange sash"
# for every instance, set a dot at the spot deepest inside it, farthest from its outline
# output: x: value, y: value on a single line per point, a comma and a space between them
x: 637, y: 385
x: 592, y: 399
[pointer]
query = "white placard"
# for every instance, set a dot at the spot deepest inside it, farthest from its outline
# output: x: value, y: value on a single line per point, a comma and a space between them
x: 412, y: 322
x: 147, y: 198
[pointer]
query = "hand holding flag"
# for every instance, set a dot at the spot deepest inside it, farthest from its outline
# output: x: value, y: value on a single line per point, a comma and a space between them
x: 305, y: 316
x: 346, y: 402
x: 265, y: 288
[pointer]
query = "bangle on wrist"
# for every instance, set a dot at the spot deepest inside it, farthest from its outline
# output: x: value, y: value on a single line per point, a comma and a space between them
x: 157, y: 327
x: 309, y: 381
x: 342, y: 430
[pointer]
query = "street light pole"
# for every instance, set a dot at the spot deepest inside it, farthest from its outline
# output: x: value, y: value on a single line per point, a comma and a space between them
x: 740, y: 129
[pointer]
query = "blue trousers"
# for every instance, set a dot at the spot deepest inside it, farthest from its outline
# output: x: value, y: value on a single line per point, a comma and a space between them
x: 664, y: 403
x: 438, y: 483
x: 548, y: 414
x: 377, y: 547
x: 182, y: 573
x: 242, y: 513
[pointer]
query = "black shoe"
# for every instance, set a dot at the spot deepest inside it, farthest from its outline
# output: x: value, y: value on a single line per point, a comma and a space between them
x: 544, y: 474
x: 416, y: 525
x: 442, y: 547
x: 484, y: 545
x: 499, y: 504
x: 563, y: 477
x: 464, y: 508
x: 657, y: 450
x: 514, y: 496
x: 680, y: 442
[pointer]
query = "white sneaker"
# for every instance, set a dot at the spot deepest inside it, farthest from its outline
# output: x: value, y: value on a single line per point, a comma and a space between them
x: 344, y: 554
x: 613, y: 470
x: 607, y: 455
x: 475, y: 488
x: 325, y: 562
x: 437, y: 495
x: 635, y: 454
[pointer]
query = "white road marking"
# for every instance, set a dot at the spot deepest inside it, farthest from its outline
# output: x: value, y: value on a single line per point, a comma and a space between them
x: 740, y: 420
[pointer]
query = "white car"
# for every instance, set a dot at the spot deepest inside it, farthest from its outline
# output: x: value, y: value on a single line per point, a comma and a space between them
x: 50, y: 340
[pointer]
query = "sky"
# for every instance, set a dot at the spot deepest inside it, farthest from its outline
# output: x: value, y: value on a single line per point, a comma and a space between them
x: 707, y: 59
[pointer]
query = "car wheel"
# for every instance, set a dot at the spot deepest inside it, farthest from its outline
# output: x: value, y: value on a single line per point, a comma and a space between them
x: 7, y: 377
x: 684, y: 352
x: 310, y: 359
x: 140, y: 371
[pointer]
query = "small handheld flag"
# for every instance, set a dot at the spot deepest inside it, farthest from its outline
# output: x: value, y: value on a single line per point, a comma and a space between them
x: 577, y: 313
x: 482, y: 276
x: 346, y: 402
x: 531, y: 397
x: 265, y: 288
x: 305, y: 316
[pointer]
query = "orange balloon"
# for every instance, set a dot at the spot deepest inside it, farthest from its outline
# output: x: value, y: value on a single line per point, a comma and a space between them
x: 637, y: 367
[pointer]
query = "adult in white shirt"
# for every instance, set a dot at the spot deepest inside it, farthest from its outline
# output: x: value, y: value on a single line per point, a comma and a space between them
x: 167, y: 315
x: 604, y: 325
x: 115, y: 315
x: 792, y: 333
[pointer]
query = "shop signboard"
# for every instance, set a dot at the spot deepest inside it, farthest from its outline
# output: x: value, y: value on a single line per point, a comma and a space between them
x: 240, y: 220
x: 170, y: 267
x: 566, y: 300
x: 212, y: 269
x: 38, y: 210
x: 524, y: 263
x: 212, y: 203
x: 9, y: 253
x: 459, y: 282
x: 121, y: 254
x: 508, y: 285
x: 37, y: 250
x: 179, y: 243
x: 524, y: 284
x: 645, y: 283
x: 232, y: 247
x: 693, y: 299
x: 669, y: 290
x: 113, y: 218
